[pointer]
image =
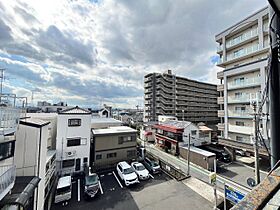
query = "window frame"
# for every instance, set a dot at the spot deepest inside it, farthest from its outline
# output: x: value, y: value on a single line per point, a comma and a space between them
x: 71, y: 120
x: 10, y: 145
x: 73, y: 139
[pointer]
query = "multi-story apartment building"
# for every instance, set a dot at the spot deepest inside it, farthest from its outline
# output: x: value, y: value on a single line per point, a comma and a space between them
x: 243, y: 49
x: 168, y: 94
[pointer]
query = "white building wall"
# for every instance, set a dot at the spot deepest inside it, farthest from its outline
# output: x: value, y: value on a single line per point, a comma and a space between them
x: 64, y: 132
x: 30, y: 157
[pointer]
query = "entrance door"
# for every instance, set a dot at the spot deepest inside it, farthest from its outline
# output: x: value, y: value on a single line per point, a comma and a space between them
x: 78, y: 164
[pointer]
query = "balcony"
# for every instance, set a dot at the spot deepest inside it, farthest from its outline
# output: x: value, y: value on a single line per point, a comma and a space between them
x: 7, y: 179
x: 148, y: 90
x: 243, y: 52
x: 148, y: 79
x: 148, y: 96
x: 240, y: 129
x: 221, y: 113
x: 220, y: 48
x: 221, y: 126
x: 265, y: 28
x: 242, y: 38
x: 239, y: 114
x: 248, y: 82
x: 146, y: 85
x: 220, y: 87
x: 8, y: 120
x: 247, y: 98
x: 220, y: 75
x: 220, y: 100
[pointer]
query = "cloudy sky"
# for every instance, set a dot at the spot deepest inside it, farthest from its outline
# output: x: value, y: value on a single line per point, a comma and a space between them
x: 89, y: 52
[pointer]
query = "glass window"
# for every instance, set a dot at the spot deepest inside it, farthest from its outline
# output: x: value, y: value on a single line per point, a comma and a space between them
x: 98, y: 157
x: 131, y: 153
x: 112, y: 155
x: 7, y: 150
x: 239, y: 123
x: 73, y: 142
x: 193, y: 133
x: 68, y: 163
x: 239, y: 138
x: 74, y: 122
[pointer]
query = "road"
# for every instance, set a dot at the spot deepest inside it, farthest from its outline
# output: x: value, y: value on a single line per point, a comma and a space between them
x: 234, y: 174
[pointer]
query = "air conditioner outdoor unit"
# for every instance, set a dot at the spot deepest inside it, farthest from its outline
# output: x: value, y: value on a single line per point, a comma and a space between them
x: 70, y: 153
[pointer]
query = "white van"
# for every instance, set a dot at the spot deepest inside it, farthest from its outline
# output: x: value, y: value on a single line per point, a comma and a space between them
x: 63, y: 189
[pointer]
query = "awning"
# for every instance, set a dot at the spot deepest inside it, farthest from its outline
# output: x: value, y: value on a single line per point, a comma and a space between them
x: 148, y: 133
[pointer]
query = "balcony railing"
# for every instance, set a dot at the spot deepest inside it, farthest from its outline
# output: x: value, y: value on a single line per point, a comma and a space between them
x: 9, y: 118
x: 240, y: 129
x: 220, y: 100
x: 221, y: 113
x: 219, y: 48
x: 242, y: 114
x: 245, y: 83
x: 243, y: 52
x: 221, y: 126
x: 248, y: 98
x: 242, y: 38
x: 220, y: 87
x: 7, y: 179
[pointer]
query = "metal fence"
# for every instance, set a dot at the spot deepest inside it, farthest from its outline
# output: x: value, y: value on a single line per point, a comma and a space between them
x: 7, y: 179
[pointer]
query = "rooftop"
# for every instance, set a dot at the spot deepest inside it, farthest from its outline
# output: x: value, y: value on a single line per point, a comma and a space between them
x: 33, y: 122
x: 75, y: 110
x: 200, y: 151
x: 104, y: 120
x: 113, y: 130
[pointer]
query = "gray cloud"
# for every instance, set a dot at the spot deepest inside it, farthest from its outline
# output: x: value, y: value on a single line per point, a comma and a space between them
x: 5, y: 32
x: 62, y: 46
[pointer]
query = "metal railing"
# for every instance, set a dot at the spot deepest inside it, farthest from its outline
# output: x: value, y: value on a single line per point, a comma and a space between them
x: 243, y: 52
x: 242, y: 38
x: 245, y: 83
x: 7, y: 179
x: 9, y: 118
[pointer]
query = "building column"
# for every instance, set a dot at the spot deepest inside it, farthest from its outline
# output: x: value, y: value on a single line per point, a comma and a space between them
x: 225, y: 108
x: 224, y: 48
x: 260, y: 32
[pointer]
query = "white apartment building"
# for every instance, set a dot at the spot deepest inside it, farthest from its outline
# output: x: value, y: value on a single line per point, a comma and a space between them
x: 243, y: 49
x: 73, y: 140
x: 33, y: 158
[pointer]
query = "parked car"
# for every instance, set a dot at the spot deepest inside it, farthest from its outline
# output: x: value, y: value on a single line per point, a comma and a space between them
x: 127, y: 173
x: 140, y: 170
x: 152, y: 166
x: 240, y: 152
x: 91, y: 187
x: 63, y: 189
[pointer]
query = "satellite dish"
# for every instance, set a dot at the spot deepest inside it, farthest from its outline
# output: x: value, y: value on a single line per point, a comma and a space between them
x: 251, y: 182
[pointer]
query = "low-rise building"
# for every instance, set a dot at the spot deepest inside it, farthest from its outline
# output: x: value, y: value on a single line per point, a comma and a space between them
x: 111, y: 145
x: 73, y: 140
x: 32, y: 158
x: 101, y: 122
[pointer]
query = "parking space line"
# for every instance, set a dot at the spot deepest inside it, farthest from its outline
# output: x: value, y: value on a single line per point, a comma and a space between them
x: 151, y: 176
x: 101, y: 189
x: 79, y: 190
x: 117, y: 180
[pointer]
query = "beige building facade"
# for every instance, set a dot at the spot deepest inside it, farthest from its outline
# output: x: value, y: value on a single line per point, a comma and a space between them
x: 243, y: 50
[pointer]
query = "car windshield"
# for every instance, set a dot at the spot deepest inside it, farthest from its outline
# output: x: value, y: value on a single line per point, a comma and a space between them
x: 128, y: 170
x: 63, y: 190
x: 91, y: 180
x: 154, y: 164
x: 140, y: 168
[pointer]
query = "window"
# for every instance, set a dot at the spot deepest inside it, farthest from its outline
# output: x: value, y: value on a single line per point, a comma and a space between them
x: 73, y: 142
x: 239, y: 123
x: 74, y: 122
x: 238, y: 95
x: 193, y: 133
x: 112, y: 155
x: 239, y: 80
x: 123, y: 139
x: 98, y: 157
x: 131, y: 153
x: 239, y: 138
x: 7, y: 150
x: 85, y: 160
x: 68, y: 163
x: 240, y: 108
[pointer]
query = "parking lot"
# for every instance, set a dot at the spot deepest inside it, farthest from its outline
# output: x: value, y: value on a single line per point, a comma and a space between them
x: 158, y: 192
x: 113, y: 193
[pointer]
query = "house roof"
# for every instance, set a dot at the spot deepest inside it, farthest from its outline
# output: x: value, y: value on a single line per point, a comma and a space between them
x: 33, y: 122
x: 170, y: 128
x: 204, y: 128
x: 178, y: 124
x: 113, y: 130
x: 75, y: 110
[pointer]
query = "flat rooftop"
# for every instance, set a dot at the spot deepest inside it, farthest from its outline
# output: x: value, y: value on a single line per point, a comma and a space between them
x: 104, y: 120
x: 200, y: 151
x: 113, y: 130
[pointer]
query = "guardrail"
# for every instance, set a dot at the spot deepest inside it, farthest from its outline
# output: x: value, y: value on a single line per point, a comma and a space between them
x: 7, y: 179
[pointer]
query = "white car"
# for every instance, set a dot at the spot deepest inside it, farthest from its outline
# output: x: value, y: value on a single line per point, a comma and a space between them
x: 127, y: 173
x: 140, y: 170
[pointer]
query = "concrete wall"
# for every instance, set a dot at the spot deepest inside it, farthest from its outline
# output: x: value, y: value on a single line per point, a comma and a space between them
x: 65, y: 132
x: 30, y: 157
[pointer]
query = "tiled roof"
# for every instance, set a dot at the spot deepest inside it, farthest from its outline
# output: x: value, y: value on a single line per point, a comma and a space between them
x: 75, y: 110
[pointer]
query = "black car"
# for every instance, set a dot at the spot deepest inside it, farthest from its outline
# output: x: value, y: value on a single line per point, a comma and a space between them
x: 152, y: 166
x: 91, y: 185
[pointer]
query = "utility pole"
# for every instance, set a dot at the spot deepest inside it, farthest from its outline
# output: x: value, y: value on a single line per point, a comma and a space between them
x: 256, y: 147
x: 189, y: 147
x: 274, y: 84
